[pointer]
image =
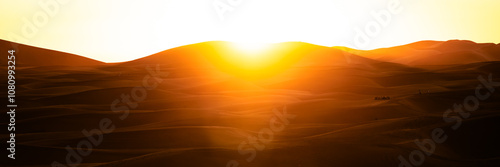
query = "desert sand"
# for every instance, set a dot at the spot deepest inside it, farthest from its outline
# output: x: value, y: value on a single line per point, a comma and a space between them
x: 200, y: 113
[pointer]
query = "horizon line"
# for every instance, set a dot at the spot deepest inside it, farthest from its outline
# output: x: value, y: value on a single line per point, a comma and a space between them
x: 234, y: 42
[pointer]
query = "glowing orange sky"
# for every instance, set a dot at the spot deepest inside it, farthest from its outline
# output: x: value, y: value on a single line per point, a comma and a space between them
x: 114, y: 31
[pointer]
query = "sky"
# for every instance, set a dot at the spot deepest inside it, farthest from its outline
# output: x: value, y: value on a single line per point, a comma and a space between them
x: 124, y: 30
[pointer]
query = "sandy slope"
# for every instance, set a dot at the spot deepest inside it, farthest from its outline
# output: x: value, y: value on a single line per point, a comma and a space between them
x: 35, y: 56
x: 428, y: 53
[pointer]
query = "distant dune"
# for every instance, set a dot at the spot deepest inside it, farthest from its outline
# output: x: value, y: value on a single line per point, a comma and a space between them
x: 206, y: 53
x: 34, y: 56
x: 424, y: 53
x: 452, y: 52
x: 201, y: 113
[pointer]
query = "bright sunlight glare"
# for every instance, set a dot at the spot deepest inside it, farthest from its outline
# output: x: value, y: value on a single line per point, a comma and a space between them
x: 252, y: 48
x: 117, y: 31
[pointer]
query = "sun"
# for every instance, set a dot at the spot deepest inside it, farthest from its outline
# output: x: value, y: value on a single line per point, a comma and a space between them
x: 251, y: 49
x: 254, y: 61
x: 247, y: 57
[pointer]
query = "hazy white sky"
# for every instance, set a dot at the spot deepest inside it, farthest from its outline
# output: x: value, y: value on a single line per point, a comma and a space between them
x: 122, y: 30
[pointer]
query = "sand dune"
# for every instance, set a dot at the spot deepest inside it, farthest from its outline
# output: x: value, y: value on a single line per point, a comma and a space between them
x: 35, y: 56
x: 199, y: 114
x: 427, y: 53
